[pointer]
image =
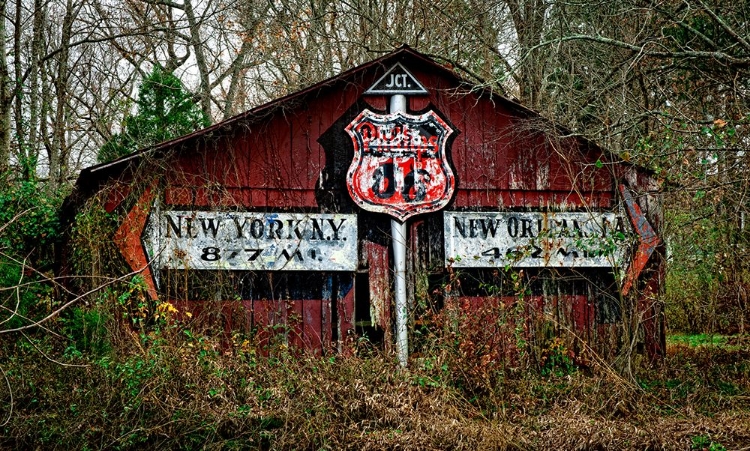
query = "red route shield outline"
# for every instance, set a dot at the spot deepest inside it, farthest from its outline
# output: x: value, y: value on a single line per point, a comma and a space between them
x: 400, y: 165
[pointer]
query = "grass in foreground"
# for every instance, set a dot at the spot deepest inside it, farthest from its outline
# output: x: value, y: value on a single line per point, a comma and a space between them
x: 175, y: 390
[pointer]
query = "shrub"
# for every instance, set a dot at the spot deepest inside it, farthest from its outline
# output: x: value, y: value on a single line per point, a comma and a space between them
x: 29, y: 228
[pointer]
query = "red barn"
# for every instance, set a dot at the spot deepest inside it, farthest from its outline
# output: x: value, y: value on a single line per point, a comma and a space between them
x: 258, y: 216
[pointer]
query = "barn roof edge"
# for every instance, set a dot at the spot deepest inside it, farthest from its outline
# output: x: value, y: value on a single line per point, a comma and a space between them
x: 103, y: 169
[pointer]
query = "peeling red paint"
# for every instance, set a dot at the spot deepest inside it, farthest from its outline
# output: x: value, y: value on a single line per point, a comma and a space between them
x: 128, y: 239
x: 380, y: 286
x: 400, y: 165
x: 345, y: 326
x: 648, y: 240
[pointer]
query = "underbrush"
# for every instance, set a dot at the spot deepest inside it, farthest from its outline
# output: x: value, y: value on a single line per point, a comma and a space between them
x: 116, y: 383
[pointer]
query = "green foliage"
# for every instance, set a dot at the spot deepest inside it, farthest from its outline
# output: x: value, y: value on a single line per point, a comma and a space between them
x: 134, y: 303
x: 702, y: 442
x: 698, y: 339
x: 708, y: 268
x: 165, y: 110
x: 29, y: 216
x: 22, y: 295
x: 557, y: 361
x: 91, y: 238
x: 87, y: 331
x: 703, y: 24
x: 30, y: 227
x: 704, y: 227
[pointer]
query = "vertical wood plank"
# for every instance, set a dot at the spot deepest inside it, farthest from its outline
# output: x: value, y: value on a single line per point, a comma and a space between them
x: 380, y: 288
x: 326, y: 314
x: 345, y: 309
x: 262, y: 320
x: 312, y: 324
x: 295, y: 323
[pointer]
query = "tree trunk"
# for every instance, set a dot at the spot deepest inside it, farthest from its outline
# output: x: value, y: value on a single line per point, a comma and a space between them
x: 200, y: 59
x: 6, y: 98
x: 58, y: 151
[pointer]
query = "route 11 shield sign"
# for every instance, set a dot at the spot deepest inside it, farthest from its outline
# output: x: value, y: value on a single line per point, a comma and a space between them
x: 400, y: 167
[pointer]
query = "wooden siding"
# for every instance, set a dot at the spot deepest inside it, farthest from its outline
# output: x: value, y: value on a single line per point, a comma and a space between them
x: 293, y: 156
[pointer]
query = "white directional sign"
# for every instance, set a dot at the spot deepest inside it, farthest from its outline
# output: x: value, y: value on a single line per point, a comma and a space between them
x: 210, y: 240
x: 535, y: 239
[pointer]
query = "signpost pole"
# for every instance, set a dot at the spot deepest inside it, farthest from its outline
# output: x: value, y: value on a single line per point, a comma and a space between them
x: 398, y: 233
x: 400, y: 168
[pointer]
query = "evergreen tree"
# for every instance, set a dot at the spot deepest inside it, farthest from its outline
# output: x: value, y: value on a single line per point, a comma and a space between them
x: 165, y: 110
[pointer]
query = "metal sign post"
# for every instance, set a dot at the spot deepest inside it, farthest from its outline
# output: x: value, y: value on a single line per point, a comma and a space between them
x: 398, y: 235
x: 399, y: 168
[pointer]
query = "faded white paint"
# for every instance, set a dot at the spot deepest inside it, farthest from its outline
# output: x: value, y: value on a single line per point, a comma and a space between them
x: 535, y: 239
x: 212, y: 240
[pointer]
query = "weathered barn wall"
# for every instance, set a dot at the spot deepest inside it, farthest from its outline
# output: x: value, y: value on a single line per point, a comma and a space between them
x: 292, y: 156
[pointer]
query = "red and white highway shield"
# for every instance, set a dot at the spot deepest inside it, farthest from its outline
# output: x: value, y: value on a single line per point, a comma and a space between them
x: 399, y: 165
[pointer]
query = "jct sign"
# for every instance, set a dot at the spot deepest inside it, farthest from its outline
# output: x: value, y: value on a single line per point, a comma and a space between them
x: 399, y: 165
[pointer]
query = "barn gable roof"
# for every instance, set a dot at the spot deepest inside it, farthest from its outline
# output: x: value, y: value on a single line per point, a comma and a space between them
x: 291, y: 155
x: 404, y: 54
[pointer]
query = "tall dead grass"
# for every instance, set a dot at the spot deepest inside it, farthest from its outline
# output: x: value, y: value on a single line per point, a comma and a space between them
x: 168, y: 388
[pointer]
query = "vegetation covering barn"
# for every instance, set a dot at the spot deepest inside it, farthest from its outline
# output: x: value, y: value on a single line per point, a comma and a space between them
x: 246, y: 286
x: 247, y: 222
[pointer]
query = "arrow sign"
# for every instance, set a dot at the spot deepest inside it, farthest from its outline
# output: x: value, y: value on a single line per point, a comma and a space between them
x: 128, y: 239
x: 648, y: 240
x: 397, y: 80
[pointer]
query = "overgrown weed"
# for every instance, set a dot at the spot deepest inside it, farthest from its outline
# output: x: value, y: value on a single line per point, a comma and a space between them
x: 156, y: 383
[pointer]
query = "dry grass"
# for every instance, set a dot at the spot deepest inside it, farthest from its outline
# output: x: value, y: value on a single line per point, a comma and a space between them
x: 168, y: 390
